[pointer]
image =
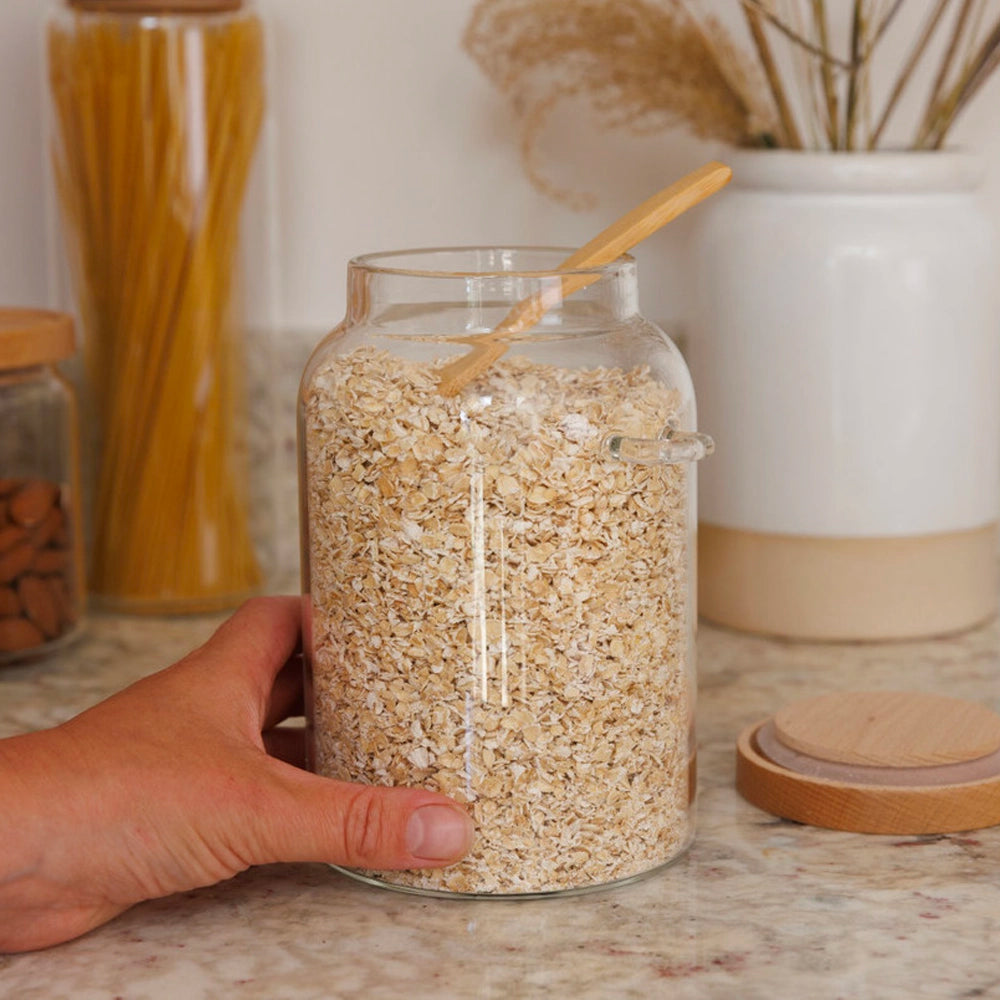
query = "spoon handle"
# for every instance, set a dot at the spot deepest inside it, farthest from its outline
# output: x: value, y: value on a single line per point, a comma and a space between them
x: 643, y: 220
x: 623, y: 234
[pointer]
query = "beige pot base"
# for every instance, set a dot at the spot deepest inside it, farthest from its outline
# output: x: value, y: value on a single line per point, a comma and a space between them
x: 844, y: 589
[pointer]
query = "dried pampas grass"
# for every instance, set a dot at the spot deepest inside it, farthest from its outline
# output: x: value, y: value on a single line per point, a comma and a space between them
x: 641, y: 65
x: 650, y: 65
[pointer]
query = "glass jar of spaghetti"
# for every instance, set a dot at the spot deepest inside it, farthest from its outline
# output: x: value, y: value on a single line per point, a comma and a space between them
x: 41, y: 580
x: 498, y: 487
x: 161, y: 183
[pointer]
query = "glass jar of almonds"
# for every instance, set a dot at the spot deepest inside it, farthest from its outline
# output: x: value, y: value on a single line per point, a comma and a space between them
x: 497, y: 474
x: 41, y: 579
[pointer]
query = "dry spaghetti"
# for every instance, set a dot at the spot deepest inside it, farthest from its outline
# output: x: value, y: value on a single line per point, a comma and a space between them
x: 157, y: 122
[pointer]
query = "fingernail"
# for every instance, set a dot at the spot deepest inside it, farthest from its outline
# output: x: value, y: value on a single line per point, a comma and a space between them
x: 438, y: 833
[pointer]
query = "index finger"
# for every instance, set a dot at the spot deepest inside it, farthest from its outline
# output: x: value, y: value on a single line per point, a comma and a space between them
x: 254, y: 644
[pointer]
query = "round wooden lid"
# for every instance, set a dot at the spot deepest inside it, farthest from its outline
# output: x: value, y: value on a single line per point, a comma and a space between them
x: 34, y: 337
x: 876, y: 762
x: 157, y: 6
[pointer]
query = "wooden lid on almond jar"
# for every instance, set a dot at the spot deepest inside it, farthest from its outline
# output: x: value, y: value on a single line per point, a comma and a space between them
x: 891, y: 762
x: 34, y: 337
x: 157, y: 6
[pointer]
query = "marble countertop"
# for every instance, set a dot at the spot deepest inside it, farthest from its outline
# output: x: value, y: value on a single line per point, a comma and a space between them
x: 758, y: 908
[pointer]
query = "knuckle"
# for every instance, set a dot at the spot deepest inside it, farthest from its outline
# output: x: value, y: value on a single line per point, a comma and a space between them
x: 367, y: 829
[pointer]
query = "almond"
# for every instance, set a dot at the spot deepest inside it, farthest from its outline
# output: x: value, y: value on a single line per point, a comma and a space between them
x: 10, y: 535
x: 10, y: 604
x: 17, y: 634
x: 61, y: 535
x: 49, y: 527
x: 62, y: 600
x: 36, y: 598
x: 48, y: 561
x: 30, y: 504
x: 15, y: 561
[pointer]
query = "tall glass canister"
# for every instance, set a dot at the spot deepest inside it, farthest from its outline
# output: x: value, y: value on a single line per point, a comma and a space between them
x: 499, y: 574
x: 157, y: 115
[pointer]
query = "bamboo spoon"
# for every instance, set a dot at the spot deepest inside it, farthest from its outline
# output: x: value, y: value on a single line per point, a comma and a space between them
x: 631, y: 229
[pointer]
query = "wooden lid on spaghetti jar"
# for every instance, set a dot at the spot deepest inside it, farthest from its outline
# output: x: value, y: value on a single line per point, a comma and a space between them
x: 876, y: 762
x: 157, y: 6
x: 34, y: 337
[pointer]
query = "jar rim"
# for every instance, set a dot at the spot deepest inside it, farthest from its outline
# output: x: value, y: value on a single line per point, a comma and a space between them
x: 883, y: 171
x: 381, y: 262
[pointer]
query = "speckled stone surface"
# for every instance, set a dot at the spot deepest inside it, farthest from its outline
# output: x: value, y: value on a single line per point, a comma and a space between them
x: 759, y: 908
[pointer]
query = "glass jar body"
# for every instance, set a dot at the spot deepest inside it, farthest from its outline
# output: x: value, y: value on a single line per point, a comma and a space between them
x: 499, y: 582
x: 41, y: 578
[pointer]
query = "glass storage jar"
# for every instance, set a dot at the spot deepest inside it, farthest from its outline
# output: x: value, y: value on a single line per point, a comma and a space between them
x: 41, y: 579
x: 159, y: 158
x: 499, y: 580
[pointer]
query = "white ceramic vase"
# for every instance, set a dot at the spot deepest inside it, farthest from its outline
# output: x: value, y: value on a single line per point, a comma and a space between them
x: 845, y: 347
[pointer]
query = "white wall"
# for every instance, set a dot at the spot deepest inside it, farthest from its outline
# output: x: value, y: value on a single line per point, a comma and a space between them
x: 388, y: 136
x: 22, y: 218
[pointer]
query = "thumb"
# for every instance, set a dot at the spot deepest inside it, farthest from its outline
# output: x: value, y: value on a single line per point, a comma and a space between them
x: 358, y: 826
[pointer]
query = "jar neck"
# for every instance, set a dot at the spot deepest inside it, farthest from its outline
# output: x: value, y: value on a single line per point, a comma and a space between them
x: 880, y: 172
x: 445, y: 293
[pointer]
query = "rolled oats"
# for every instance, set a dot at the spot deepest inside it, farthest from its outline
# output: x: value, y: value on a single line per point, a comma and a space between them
x: 500, y: 611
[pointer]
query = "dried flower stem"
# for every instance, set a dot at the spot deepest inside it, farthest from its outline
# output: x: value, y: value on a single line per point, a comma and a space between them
x: 829, y: 84
x: 851, y: 109
x: 820, y: 51
x: 864, y: 41
x: 792, y: 139
x: 880, y: 30
x: 916, y: 54
x: 809, y: 82
x: 935, y: 100
x: 977, y: 71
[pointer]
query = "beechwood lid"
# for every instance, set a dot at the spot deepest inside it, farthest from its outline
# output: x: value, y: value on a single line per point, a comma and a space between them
x: 157, y: 6
x: 34, y: 337
x: 876, y: 762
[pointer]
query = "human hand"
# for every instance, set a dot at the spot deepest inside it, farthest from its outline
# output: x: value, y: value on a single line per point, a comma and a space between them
x: 169, y: 786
